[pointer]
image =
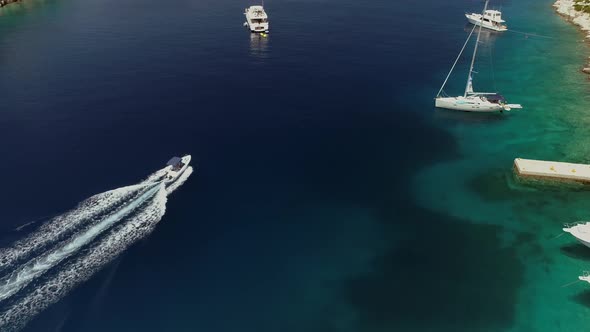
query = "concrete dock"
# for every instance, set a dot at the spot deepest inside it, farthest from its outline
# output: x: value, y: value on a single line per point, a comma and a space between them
x: 552, y: 170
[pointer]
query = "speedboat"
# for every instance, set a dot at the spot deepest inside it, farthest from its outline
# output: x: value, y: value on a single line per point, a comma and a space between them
x: 175, y: 167
x: 585, y: 276
x: 491, y: 19
x: 581, y: 231
x: 256, y: 19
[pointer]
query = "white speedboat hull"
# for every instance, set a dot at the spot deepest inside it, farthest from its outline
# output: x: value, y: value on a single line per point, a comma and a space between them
x: 475, y: 19
x: 467, y: 104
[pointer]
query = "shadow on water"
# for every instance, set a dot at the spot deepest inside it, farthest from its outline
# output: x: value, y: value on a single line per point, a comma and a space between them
x: 449, y: 274
x: 492, y: 185
x: 582, y: 298
x: 446, y: 273
x: 577, y: 251
x: 469, y: 117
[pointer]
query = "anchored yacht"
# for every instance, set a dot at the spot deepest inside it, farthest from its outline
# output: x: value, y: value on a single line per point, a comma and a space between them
x: 256, y: 19
x: 174, y: 168
x: 472, y: 101
x: 491, y: 19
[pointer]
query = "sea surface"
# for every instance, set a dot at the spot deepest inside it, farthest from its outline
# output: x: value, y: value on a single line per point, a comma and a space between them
x: 328, y: 194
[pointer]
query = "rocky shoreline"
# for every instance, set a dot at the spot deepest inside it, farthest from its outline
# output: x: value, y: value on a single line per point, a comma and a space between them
x: 567, y: 9
x: 7, y: 2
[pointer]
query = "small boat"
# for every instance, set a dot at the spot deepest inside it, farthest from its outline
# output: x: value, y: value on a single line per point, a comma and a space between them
x: 256, y: 19
x: 174, y: 168
x: 472, y: 101
x: 491, y: 19
x: 581, y: 231
x: 585, y: 276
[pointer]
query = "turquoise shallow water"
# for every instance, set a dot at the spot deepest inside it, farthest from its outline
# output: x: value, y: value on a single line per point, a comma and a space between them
x: 478, y: 186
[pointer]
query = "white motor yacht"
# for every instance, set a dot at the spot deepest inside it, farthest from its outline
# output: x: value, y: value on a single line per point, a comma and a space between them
x: 256, y: 19
x: 491, y: 19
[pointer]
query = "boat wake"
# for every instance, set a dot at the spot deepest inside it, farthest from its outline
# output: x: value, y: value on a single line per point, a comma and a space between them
x: 41, y: 268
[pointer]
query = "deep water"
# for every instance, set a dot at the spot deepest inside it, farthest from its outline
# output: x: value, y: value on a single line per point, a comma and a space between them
x: 328, y: 193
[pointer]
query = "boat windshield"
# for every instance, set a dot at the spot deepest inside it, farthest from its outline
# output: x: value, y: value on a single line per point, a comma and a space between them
x: 259, y: 20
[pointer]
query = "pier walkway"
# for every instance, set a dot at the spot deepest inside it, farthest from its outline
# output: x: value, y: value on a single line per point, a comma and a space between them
x: 552, y: 170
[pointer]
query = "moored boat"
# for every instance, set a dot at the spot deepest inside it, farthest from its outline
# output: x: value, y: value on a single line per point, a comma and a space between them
x: 472, y: 101
x: 256, y: 19
x: 490, y: 19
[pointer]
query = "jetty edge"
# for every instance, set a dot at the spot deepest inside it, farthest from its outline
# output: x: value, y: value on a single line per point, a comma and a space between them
x: 552, y: 170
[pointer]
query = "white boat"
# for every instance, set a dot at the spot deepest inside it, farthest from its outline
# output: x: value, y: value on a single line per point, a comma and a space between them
x: 174, y: 168
x: 491, y: 19
x: 256, y: 19
x: 585, y: 276
x: 581, y: 231
x: 472, y: 101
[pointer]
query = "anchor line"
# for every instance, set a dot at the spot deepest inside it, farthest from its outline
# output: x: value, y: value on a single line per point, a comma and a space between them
x: 530, y: 34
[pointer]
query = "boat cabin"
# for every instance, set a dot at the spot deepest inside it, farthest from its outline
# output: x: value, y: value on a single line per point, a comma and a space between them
x: 176, y: 163
x: 493, y: 16
x: 257, y: 13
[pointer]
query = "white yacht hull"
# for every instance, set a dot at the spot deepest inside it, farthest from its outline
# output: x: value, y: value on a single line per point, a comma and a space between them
x: 467, y: 104
x: 475, y: 19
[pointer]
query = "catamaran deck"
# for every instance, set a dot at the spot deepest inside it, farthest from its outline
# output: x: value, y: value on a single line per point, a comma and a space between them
x: 552, y: 170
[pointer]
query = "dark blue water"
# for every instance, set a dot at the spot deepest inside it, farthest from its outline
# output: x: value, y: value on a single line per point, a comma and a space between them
x: 300, y: 215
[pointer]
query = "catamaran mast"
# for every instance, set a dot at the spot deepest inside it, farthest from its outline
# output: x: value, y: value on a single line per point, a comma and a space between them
x: 469, y: 86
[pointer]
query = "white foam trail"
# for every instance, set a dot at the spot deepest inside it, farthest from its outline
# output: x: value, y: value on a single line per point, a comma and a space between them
x: 100, y: 253
x: 85, y: 211
x: 60, y: 225
x: 180, y: 181
x: 34, y: 268
x: 85, y: 266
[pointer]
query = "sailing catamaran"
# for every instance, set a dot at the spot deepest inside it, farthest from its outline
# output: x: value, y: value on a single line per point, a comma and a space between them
x: 472, y: 101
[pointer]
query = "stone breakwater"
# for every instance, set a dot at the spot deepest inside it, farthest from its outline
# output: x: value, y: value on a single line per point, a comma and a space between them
x: 567, y: 9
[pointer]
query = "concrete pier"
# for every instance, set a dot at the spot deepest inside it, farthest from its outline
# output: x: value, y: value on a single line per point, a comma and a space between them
x: 552, y: 170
